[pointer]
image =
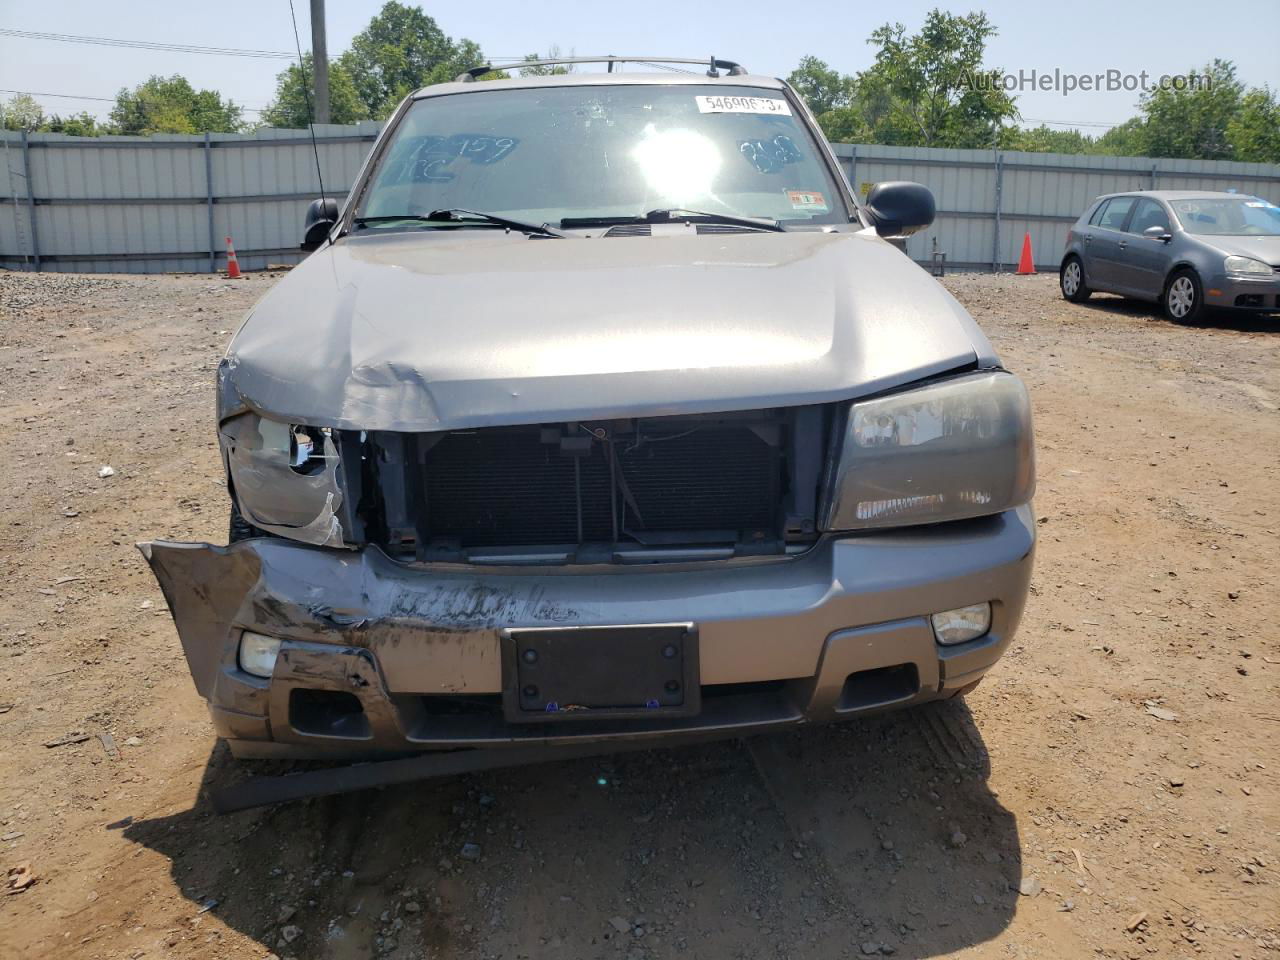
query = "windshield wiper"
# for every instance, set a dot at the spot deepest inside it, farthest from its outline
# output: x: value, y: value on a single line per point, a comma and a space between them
x: 458, y: 217
x: 676, y: 215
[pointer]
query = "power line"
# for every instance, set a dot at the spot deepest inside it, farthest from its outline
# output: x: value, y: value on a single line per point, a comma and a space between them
x: 160, y: 46
x: 1072, y: 123
x: 72, y: 96
x: 148, y: 45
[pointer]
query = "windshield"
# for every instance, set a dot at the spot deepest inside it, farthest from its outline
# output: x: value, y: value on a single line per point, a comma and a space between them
x: 545, y: 154
x: 1229, y: 217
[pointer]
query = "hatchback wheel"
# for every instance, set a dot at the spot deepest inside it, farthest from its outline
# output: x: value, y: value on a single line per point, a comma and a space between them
x: 1071, y: 279
x: 1183, y: 297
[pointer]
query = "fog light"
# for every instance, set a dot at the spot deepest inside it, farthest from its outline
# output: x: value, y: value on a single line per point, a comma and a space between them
x: 258, y: 654
x: 965, y: 623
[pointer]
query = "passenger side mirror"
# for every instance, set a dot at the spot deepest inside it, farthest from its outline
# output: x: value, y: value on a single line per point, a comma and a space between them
x: 322, y: 214
x: 899, y: 208
x: 1158, y: 233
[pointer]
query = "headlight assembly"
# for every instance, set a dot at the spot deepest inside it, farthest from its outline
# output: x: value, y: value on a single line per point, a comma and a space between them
x: 1247, y: 266
x: 951, y: 450
x: 285, y: 477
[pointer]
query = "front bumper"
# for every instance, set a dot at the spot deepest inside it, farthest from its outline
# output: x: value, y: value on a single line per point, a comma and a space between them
x: 407, y: 657
x: 1232, y: 291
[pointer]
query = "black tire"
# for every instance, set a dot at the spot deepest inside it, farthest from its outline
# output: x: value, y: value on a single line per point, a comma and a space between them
x: 1071, y: 280
x: 239, y: 528
x: 1183, y: 297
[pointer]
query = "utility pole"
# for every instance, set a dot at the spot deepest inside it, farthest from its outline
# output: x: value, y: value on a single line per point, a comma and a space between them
x: 319, y: 61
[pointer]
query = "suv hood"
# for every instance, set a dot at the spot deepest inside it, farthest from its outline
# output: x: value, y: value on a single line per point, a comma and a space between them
x: 423, y: 331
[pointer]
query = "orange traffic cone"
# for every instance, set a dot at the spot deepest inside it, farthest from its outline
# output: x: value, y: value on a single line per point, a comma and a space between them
x: 1025, y: 263
x: 233, y: 265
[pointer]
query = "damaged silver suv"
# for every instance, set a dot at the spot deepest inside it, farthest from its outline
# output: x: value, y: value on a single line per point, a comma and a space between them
x: 603, y: 411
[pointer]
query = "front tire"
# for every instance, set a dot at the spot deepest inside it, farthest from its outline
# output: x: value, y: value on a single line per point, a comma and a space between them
x: 239, y: 528
x: 1071, y: 280
x: 1183, y: 298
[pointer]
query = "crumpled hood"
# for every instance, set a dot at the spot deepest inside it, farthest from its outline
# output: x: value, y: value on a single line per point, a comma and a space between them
x: 429, y: 331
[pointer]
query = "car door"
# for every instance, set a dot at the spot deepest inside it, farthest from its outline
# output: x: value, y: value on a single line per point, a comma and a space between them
x: 1143, y: 262
x: 1108, y: 243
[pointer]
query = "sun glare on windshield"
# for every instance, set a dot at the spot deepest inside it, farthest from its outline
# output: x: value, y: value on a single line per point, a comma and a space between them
x: 678, y: 165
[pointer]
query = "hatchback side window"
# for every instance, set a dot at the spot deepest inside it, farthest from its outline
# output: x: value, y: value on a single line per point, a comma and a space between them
x: 1148, y: 213
x: 1117, y: 209
x: 1097, y: 214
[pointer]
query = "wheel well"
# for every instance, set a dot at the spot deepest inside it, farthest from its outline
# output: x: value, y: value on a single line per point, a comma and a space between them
x: 1180, y: 265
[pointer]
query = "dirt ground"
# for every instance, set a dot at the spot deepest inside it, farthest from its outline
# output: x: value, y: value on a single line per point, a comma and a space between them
x: 1111, y: 790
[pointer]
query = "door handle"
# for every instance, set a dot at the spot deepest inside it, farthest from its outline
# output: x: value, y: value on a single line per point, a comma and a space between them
x: 1088, y: 239
x: 1122, y: 244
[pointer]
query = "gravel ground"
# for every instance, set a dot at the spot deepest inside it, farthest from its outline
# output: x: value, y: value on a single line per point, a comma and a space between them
x: 1109, y: 791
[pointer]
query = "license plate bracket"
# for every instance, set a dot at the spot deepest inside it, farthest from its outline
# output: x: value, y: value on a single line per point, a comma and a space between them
x: 600, y: 673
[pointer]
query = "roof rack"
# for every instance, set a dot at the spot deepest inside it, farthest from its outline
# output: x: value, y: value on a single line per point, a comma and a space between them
x: 713, y: 65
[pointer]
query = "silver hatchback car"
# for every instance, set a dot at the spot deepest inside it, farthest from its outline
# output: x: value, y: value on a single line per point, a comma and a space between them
x: 1189, y: 250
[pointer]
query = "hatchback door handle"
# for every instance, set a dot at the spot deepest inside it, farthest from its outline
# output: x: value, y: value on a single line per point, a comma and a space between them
x: 1088, y: 239
x: 1123, y: 244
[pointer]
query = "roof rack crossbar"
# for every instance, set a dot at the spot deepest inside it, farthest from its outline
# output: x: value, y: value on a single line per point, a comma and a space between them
x: 714, y: 65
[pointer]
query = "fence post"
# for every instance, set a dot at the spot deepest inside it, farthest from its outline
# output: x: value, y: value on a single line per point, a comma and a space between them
x: 208, y: 201
x: 995, y: 242
x: 31, y: 201
x: 1154, y: 171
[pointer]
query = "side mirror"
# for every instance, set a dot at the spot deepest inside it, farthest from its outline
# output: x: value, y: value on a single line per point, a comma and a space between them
x: 899, y: 207
x: 321, y: 216
x: 1158, y: 233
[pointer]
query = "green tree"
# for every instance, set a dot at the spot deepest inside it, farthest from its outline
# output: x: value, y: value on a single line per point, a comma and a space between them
x: 83, y: 124
x: 291, y: 107
x: 172, y: 105
x: 1043, y: 139
x: 932, y: 85
x: 1128, y: 139
x: 1192, y: 122
x: 824, y: 88
x: 553, y: 53
x: 401, y: 50
x: 1254, y: 132
x: 22, y: 113
x: 927, y: 89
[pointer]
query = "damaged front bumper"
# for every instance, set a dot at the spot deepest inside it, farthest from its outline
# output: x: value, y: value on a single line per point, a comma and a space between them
x: 381, y: 657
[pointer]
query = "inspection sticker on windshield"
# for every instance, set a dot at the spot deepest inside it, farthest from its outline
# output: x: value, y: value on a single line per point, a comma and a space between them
x: 809, y: 200
x: 766, y: 105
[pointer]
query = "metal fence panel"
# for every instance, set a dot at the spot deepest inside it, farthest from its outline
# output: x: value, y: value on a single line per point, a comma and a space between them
x: 165, y: 203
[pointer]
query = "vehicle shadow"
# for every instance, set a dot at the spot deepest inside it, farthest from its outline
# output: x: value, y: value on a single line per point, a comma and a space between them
x: 1215, y: 319
x: 873, y: 835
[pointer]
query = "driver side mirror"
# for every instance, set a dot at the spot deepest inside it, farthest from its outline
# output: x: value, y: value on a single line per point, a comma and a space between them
x: 1158, y: 233
x: 322, y: 214
x: 899, y: 208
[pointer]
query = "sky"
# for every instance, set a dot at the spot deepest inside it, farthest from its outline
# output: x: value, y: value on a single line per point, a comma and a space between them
x: 1085, y: 37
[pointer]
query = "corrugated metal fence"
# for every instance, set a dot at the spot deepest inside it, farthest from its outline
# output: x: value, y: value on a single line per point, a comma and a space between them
x: 165, y: 203
x: 988, y: 200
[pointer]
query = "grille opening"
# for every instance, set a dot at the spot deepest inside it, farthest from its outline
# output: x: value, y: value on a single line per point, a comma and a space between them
x: 443, y: 705
x: 458, y: 705
x: 749, y: 688
x: 328, y: 713
x: 879, y: 687
x: 687, y: 487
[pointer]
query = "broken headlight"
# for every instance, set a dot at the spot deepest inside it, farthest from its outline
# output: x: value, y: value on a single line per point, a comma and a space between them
x: 950, y: 450
x: 285, y: 477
